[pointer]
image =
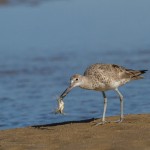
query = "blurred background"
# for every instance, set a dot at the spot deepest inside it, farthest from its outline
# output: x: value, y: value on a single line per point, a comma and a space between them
x: 44, y: 42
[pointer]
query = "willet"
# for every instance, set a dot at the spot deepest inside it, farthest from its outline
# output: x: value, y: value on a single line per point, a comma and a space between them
x: 103, y: 77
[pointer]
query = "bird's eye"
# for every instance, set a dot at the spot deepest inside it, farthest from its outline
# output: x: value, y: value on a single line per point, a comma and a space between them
x: 76, y: 79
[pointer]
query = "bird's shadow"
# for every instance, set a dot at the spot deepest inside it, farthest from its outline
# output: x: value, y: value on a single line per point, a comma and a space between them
x: 45, y: 126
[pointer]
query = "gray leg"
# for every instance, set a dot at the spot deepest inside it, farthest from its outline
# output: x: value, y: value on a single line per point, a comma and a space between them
x: 104, y: 111
x: 121, y: 104
x: 105, y: 106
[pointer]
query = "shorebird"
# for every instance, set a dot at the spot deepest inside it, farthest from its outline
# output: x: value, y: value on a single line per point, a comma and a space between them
x: 104, y: 77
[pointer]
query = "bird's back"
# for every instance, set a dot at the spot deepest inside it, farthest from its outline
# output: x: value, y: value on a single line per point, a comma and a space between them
x: 110, y: 76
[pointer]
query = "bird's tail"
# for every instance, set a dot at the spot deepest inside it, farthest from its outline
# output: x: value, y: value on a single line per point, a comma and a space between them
x: 136, y: 74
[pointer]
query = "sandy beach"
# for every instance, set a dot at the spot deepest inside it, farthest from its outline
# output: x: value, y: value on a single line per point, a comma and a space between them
x: 132, y: 134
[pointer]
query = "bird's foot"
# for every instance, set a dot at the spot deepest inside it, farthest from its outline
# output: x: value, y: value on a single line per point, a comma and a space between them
x: 117, y: 121
x: 101, y: 123
x: 104, y: 122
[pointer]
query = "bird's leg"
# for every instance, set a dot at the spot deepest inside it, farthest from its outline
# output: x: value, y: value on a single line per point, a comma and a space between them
x: 105, y: 106
x: 104, y: 111
x: 121, y: 106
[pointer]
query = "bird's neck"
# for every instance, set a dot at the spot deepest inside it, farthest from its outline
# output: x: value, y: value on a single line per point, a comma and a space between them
x: 86, y: 83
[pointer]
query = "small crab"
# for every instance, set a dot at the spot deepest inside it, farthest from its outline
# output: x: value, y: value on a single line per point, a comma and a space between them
x: 60, y: 106
x: 61, y: 102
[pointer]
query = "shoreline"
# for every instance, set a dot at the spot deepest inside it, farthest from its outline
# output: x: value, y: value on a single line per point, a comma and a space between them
x: 132, y: 133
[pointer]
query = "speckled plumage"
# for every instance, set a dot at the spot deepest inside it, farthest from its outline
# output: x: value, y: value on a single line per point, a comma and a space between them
x: 103, y: 77
x: 109, y: 76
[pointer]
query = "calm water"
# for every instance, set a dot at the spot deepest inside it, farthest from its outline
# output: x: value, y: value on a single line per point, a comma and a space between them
x: 43, y: 43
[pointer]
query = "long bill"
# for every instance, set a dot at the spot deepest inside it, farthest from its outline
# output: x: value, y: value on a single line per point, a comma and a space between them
x: 66, y: 91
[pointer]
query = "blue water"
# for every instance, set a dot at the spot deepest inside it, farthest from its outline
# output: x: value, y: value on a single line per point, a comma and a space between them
x: 43, y: 43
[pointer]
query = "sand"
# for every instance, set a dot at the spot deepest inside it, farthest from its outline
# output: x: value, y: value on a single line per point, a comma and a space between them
x: 132, y: 134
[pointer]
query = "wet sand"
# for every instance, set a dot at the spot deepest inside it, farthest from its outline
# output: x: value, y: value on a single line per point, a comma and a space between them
x: 132, y: 134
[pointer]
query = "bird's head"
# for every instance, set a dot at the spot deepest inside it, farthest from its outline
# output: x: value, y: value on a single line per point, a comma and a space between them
x: 75, y: 80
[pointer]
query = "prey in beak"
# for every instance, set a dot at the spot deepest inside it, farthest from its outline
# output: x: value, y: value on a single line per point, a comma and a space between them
x: 74, y: 82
